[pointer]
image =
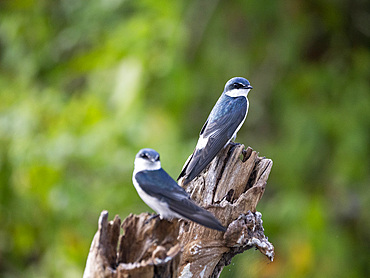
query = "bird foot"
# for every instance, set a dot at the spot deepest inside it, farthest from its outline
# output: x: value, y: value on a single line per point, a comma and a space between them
x: 153, y: 216
x: 233, y: 144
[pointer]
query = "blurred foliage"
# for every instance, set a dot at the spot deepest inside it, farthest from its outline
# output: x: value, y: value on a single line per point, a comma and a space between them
x: 85, y: 84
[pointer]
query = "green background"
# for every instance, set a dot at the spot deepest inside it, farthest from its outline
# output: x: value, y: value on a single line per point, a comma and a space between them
x: 85, y: 84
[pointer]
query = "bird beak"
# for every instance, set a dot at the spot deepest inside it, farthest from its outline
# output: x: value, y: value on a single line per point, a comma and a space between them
x: 154, y: 159
x: 249, y: 87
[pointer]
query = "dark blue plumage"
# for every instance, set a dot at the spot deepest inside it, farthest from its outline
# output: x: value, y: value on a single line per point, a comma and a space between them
x: 159, y: 191
x: 158, y: 183
x: 224, y: 121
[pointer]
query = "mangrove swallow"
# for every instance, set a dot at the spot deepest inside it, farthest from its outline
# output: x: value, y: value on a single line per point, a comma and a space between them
x: 160, y: 192
x: 224, y: 121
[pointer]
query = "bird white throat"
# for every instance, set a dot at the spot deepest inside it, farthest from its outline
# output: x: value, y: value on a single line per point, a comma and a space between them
x: 238, y: 93
x: 143, y: 164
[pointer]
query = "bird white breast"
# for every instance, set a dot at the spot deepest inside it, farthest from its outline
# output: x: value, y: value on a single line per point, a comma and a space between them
x: 238, y: 93
x: 159, y: 207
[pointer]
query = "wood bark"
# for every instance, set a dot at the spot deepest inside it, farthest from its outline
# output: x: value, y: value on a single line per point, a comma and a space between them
x: 230, y: 187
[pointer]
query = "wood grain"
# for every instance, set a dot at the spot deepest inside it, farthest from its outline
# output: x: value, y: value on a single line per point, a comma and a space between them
x: 230, y: 187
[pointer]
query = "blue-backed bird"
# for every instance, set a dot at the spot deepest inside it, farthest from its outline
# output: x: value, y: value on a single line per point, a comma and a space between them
x: 224, y: 121
x: 162, y: 193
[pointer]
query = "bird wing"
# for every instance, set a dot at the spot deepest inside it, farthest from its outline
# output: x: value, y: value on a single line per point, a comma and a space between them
x: 160, y: 185
x: 219, y: 130
x: 225, y: 119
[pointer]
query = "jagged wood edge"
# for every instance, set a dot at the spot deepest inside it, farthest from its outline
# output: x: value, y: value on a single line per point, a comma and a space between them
x: 143, y: 250
x: 230, y: 187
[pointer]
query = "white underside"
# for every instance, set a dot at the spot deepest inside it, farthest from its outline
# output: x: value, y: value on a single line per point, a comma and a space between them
x: 159, y: 207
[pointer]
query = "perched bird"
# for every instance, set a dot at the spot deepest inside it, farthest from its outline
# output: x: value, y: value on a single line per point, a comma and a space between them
x: 224, y: 121
x: 162, y: 193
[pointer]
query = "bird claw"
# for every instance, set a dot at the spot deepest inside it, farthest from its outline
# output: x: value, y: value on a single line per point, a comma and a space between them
x: 153, y: 216
x: 233, y: 144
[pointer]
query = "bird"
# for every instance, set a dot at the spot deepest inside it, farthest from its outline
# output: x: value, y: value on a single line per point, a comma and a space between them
x: 162, y: 193
x: 221, y: 127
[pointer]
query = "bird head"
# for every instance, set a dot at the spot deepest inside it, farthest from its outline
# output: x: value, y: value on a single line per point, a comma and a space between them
x: 147, y: 159
x: 237, y: 86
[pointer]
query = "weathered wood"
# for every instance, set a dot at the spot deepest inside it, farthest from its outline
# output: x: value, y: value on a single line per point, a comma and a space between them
x: 145, y: 249
x: 230, y: 187
x: 103, y: 255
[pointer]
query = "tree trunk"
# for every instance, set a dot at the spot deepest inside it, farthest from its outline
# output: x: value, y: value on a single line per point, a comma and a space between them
x: 230, y: 187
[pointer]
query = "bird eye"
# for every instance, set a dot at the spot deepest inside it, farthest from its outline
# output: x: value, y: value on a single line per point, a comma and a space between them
x: 143, y: 155
x: 237, y: 85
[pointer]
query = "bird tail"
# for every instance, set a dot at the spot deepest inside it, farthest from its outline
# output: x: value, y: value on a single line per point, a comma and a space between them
x: 184, y: 169
x: 208, y: 220
x: 189, y: 210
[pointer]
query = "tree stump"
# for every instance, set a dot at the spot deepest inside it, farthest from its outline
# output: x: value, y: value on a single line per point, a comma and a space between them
x: 230, y: 187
